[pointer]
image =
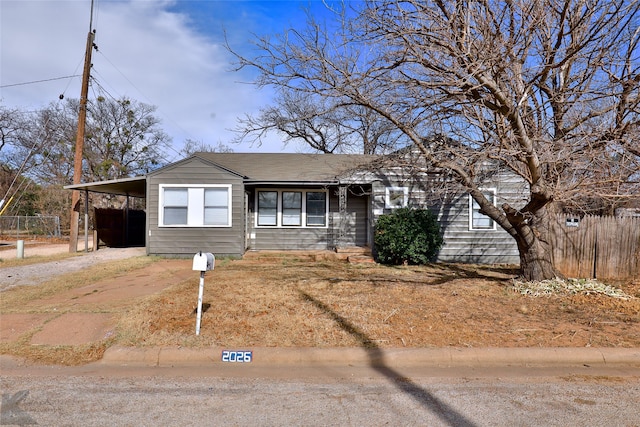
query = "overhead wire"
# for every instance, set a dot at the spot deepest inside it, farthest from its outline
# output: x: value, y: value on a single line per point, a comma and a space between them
x: 146, y: 97
x: 96, y: 84
x: 19, y: 173
x: 104, y: 91
x: 40, y: 81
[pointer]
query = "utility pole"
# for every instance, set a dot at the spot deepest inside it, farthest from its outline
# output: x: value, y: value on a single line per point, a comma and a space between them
x: 82, y: 116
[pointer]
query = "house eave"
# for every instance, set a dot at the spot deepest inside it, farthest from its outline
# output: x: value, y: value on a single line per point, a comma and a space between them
x: 255, y: 183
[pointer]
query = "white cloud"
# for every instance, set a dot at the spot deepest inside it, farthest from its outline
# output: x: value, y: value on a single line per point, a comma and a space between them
x: 145, y: 53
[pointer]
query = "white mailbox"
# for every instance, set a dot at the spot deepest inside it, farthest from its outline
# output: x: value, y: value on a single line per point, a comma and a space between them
x: 204, y: 261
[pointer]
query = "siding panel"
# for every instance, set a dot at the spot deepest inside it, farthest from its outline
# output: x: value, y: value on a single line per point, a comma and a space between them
x: 186, y: 241
x: 460, y: 243
x: 311, y: 238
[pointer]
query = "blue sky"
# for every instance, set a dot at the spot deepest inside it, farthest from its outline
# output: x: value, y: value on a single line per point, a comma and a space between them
x: 166, y: 53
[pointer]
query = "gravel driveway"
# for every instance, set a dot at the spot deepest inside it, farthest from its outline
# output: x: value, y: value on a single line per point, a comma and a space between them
x: 34, y: 274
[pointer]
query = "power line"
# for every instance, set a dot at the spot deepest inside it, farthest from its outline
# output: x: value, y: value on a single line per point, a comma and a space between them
x: 40, y: 81
x: 161, y: 111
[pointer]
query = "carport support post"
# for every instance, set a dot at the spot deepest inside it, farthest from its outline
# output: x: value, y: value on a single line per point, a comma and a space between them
x: 86, y: 220
x: 200, y: 294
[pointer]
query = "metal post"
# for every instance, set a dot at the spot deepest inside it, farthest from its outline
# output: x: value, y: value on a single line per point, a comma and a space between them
x: 20, y: 247
x: 86, y: 220
x: 200, y: 294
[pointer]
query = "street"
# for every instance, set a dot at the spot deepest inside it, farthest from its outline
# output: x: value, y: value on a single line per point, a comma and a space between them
x: 96, y: 395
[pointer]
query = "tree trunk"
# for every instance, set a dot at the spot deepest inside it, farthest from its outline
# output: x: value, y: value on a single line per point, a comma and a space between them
x: 534, y: 245
x: 536, y: 261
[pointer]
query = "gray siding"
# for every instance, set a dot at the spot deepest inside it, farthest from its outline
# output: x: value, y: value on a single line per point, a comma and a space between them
x: 311, y: 238
x: 460, y: 243
x: 480, y: 246
x: 186, y: 241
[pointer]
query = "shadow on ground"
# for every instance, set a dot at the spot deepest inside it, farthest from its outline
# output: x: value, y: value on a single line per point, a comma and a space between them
x: 376, y: 360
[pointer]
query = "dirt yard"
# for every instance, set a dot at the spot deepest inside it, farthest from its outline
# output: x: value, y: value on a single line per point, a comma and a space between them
x: 302, y: 300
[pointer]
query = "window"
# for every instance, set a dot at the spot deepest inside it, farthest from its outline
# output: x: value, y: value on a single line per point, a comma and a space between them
x: 316, y: 209
x: 396, y: 197
x: 175, y: 206
x: 285, y: 208
x: 195, y: 206
x: 216, y: 206
x: 292, y: 208
x: 478, y: 221
x: 268, y: 208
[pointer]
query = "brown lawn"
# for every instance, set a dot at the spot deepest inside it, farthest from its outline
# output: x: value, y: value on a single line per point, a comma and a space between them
x: 269, y: 300
x: 316, y: 300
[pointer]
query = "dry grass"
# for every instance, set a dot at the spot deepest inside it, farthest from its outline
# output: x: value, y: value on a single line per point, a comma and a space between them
x: 302, y: 302
x: 8, y: 258
x: 314, y: 301
x: 25, y: 300
x: 16, y: 301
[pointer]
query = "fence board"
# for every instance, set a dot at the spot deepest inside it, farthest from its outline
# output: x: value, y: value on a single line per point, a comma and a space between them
x: 599, y: 247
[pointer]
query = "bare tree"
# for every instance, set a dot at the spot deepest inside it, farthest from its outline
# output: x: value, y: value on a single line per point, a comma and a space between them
x: 325, y: 127
x: 11, y: 124
x: 545, y: 88
x: 123, y: 138
x: 191, y: 147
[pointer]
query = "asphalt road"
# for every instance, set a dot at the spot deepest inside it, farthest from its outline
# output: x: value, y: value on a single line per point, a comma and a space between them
x: 197, y: 396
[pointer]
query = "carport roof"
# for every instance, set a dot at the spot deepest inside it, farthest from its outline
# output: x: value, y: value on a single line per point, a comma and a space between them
x: 134, y: 187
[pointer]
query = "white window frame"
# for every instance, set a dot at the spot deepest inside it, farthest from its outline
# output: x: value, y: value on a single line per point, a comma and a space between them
x: 388, y: 204
x: 279, y: 212
x: 195, y: 205
x: 473, y: 208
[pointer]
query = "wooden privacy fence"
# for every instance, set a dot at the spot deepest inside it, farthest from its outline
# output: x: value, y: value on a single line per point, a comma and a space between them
x: 597, y: 247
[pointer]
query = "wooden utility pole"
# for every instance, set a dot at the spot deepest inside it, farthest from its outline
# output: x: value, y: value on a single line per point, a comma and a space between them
x: 82, y: 116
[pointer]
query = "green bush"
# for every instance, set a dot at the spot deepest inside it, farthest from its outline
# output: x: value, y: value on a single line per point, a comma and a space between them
x: 407, y: 236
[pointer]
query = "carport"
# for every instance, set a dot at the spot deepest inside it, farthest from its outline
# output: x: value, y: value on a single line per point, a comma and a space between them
x: 116, y: 227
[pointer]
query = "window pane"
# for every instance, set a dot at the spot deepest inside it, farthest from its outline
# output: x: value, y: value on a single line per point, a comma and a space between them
x: 291, y: 200
x: 291, y: 208
x: 316, y: 208
x: 478, y: 220
x: 482, y: 221
x: 291, y: 217
x: 396, y: 198
x: 216, y: 196
x: 216, y: 215
x: 175, y: 197
x: 216, y: 209
x: 175, y: 216
x: 175, y: 206
x: 267, y: 207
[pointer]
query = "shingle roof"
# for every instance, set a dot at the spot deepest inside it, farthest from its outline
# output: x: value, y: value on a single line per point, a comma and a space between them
x: 288, y: 167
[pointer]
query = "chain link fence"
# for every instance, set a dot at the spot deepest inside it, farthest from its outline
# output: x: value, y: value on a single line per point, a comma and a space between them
x: 21, y: 226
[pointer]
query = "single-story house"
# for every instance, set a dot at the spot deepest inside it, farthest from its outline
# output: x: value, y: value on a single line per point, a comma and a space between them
x: 231, y: 203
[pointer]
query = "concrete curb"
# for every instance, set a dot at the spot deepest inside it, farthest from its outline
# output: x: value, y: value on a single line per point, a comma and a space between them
x: 375, y: 357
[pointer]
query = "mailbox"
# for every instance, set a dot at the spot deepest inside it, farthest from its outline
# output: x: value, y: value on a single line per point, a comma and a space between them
x: 203, y: 261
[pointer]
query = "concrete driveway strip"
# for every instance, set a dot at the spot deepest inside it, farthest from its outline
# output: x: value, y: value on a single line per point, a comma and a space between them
x: 34, y: 274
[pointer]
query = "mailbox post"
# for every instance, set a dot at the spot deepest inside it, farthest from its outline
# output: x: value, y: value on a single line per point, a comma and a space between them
x: 202, y: 261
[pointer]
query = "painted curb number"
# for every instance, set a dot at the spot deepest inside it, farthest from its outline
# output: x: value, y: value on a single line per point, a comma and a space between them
x: 237, y: 356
